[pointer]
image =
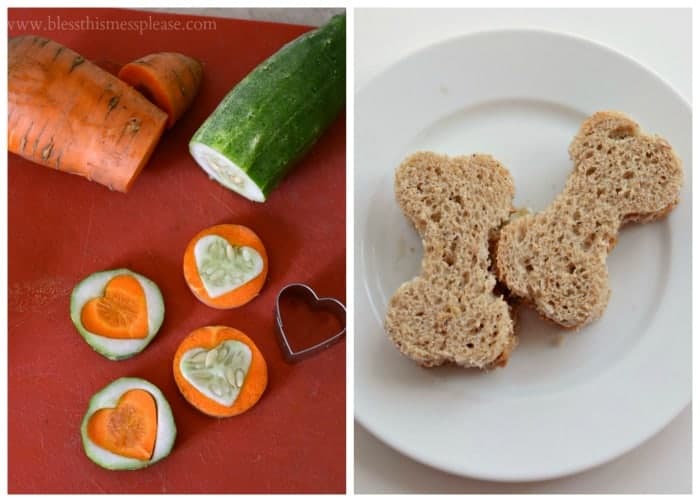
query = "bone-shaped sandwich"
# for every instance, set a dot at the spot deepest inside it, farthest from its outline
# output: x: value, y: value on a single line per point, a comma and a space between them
x: 450, y: 312
x: 555, y: 260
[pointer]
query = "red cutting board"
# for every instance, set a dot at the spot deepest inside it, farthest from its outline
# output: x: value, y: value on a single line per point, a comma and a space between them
x: 62, y: 228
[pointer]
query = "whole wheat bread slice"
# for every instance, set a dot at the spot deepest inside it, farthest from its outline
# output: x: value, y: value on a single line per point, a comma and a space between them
x: 450, y: 313
x: 556, y: 260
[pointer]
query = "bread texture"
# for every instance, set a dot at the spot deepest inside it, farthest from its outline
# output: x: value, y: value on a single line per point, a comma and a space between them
x: 450, y: 312
x: 556, y: 260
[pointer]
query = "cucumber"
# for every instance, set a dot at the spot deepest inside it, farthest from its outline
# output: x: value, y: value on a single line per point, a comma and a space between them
x: 275, y: 114
x: 108, y: 398
x: 112, y: 348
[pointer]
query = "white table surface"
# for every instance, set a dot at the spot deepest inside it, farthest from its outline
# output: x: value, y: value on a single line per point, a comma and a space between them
x: 661, y: 41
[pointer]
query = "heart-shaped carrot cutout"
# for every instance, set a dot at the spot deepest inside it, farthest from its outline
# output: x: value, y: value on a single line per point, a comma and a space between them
x: 129, y: 429
x: 121, y: 312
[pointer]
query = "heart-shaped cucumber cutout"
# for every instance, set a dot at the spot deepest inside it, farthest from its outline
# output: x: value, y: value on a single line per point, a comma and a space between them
x: 218, y: 373
x: 224, y: 267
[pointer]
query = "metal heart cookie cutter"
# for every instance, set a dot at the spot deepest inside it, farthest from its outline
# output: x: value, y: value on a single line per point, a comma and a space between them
x: 330, y: 305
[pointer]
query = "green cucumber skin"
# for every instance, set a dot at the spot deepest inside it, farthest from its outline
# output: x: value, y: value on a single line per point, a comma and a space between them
x: 275, y: 114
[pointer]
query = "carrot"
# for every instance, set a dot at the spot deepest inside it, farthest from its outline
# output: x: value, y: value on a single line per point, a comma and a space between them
x: 120, y: 313
x: 220, y: 371
x: 225, y: 266
x: 169, y: 79
x: 66, y: 113
x: 129, y: 429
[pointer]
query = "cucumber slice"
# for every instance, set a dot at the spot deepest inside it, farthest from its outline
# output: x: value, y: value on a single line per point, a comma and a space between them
x: 112, y: 348
x: 275, y: 114
x: 108, y: 398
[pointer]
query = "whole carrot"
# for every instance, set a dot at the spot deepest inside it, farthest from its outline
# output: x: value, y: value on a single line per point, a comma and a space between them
x: 66, y: 113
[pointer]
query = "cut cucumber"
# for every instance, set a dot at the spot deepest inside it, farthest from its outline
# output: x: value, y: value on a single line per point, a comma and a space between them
x: 109, y: 398
x: 275, y: 114
x: 113, y: 348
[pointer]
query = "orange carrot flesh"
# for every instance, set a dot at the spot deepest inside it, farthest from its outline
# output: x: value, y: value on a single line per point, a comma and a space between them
x: 236, y: 235
x: 66, y: 113
x: 254, y: 384
x: 169, y: 79
x: 122, y: 312
x: 129, y: 429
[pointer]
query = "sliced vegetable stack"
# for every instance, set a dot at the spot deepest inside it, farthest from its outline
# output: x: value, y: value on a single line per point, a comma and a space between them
x: 128, y: 425
x: 117, y: 312
x: 68, y: 114
x: 220, y: 371
x: 274, y: 115
x: 225, y: 266
x: 169, y: 79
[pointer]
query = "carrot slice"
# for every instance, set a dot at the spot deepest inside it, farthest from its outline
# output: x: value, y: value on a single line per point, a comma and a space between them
x: 220, y: 378
x: 169, y: 79
x: 66, y: 113
x: 129, y: 429
x: 237, y: 260
x: 121, y: 312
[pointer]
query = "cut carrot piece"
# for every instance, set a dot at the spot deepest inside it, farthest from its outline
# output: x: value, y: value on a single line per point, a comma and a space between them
x: 168, y: 79
x: 225, y: 266
x: 220, y: 371
x: 66, y: 113
x: 129, y: 429
x: 120, y: 313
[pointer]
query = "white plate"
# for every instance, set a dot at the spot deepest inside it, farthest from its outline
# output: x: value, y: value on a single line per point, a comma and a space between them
x: 556, y: 408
